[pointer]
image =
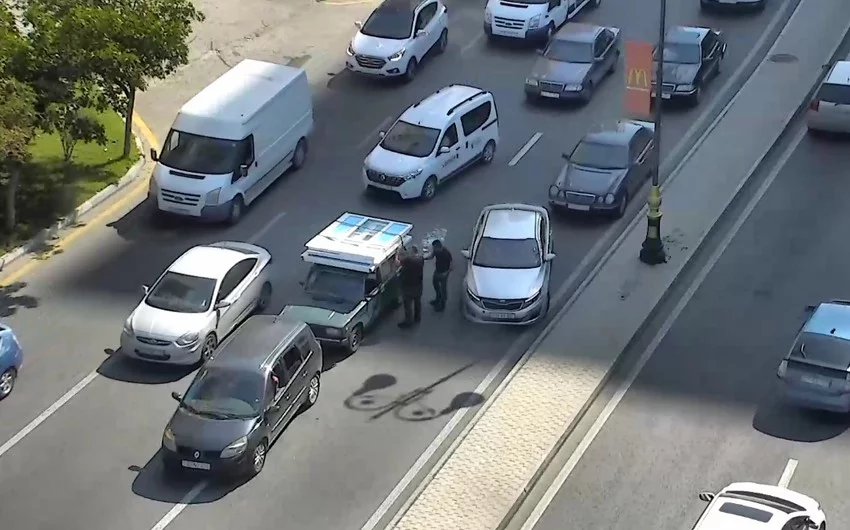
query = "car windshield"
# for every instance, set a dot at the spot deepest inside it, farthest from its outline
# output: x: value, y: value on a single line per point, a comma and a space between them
x: 678, y: 53
x: 199, y: 154
x: 182, y: 293
x: 335, y: 285
x: 409, y: 139
x: 494, y: 253
x: 226, y: 392
x: 834, y: 93
x: 831, y: 351
x: 600, y: 156
x: 567, y: 51
x: 389, y: 24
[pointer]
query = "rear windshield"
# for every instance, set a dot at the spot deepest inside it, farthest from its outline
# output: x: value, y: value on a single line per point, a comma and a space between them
x: 832, y: 93
x: 748, y: 512
x: 824, y: 349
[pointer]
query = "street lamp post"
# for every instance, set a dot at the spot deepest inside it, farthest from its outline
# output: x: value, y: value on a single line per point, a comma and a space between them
x: 652, y: 251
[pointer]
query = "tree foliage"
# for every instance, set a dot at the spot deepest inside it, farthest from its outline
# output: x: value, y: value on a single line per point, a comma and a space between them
x: 17, y: 128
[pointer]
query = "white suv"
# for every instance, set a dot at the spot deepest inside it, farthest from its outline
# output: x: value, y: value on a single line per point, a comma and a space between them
x: 395, y: 38
x: 432, y: 141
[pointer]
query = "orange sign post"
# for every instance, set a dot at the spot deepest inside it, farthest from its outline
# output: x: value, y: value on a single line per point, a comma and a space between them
x: 638, y: 79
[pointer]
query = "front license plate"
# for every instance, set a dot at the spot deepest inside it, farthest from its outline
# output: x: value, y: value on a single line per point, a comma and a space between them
x: 549, y: 95
x: 665, y: 96
x: 195, y: 465
x: 814, y: 380
x: 155, y: 353
x: 579, y: 207
x: 503, y: 316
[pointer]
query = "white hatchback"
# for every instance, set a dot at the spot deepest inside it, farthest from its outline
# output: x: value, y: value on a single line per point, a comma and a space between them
x: 829, y: 111
x: 196, y: 302
x: 752, y: 506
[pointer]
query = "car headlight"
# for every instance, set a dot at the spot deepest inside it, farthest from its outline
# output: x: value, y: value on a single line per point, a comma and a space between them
x: 350, y: 51
x: 188, y: 339
x: 412, y: 174
x: 534, y: 22
x: 212, y: 196
x: 572, y: 88
x: 475, y: 298
x: 236, y: 448
x: 684, y: 88
x: 531, y: 82
x: 397, y: 55
x: 128, y: 326
x: 533, y: 298
x: 609, y: 199
x: 488, y: 16
x: 168, y: 440
x: 334, y: 332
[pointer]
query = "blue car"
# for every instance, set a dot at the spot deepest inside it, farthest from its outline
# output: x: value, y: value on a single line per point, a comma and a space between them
x: 11, y: 359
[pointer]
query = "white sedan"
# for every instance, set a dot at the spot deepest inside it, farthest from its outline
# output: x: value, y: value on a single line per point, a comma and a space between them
x: 750, y: 506
x: 196, y: 302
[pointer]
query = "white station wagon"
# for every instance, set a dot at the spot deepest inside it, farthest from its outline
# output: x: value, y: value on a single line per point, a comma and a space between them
x: 751, y: 506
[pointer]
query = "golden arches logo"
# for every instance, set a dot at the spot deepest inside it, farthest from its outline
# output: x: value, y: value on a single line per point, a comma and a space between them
x: 638, y: 78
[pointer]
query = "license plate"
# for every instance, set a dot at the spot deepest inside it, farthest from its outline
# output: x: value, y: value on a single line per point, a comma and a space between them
x: 665, y: 96
x: 814, y: 380
x: 549, y: 95
x: 503, y: 316
x: 580, y: 207
x: 148, y: 351
x: 195, y: 465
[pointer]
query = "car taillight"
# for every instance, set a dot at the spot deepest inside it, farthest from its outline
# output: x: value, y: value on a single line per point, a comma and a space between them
x: 814, y: 105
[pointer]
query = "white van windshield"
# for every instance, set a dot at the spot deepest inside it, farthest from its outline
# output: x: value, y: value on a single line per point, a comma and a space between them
x: 200, y: 154
x: 529, y: 2
x: 412, y: 140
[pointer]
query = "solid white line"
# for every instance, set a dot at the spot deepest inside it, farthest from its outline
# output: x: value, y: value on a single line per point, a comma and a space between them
x: 618, y: 396
x: 525, y: 149
x: 372, y: 136
x: 41, y: 418
x: 787, y: 473
x: 268, y: 226
x: 180, y: 506
x: 471, y: 43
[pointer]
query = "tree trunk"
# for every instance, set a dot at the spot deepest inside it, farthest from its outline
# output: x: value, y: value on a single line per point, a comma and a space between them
x: 11, y: 203
x: 128, y: 121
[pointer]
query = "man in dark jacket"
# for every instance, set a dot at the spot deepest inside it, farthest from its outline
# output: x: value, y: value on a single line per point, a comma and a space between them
x: 442, y: 267
x: 411, y: 278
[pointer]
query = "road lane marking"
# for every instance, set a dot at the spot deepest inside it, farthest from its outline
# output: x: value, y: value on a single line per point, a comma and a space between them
x: 180, y: 506
x: 468, y: 46
x: 525, y: 149
x: 268, y: 226
x: 371, y: 137
x: 788, y: 473
x: 618, y: 396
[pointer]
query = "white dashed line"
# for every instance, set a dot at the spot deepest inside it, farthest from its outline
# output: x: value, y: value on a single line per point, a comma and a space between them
x: 372, y: 137
x: 525, y: 149
x: 788, y: 473
x: 468, y: 46
x: 268, y: 226
x: 180, y: 506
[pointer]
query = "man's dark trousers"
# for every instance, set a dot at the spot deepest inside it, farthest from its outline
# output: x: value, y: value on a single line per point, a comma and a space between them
x: 412, y: 306
x: 441, y: 284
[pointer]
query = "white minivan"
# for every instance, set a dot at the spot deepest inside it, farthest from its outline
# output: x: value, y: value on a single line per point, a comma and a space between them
x: 232, y: 140
x: 533, y: 20
x: 433, y: 141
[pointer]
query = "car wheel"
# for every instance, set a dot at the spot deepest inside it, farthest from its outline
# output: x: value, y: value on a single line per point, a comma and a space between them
x: 596, y: 3
x: 265, y: 297
x: 313, y: 389
x: 7, y: 382
x: 550, y: 31
x: 355, y: 337
x: 208, y: 348
x: 588, y: 93
x: 410, y: 72
x: 258, y: 457
x: 695, y: 97
x: 545, y: 309
x: 613, y: 66
x: 429, y: 189
x: 622, y: 207
x: 489, y: 152
x: 237, y: 206
x: 443, y: 42
x: 300, y: 155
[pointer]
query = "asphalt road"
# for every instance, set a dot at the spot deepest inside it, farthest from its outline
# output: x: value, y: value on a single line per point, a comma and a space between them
x: 705, y: 411
x: 94, y: 462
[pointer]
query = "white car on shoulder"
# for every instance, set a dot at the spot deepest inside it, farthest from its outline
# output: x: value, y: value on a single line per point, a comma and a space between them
x: 196, y: 302
x: 396, y: 37
x: 751, y: 506
x: 432, y: 141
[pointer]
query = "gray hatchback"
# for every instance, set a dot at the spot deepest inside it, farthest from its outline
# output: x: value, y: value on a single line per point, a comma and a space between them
x: 815, y: 374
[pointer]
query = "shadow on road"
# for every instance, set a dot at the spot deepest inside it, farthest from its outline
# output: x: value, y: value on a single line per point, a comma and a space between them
x: 782, y: 420
x: 153, y: 483
x: 11, y: 299
x: 122, y: 368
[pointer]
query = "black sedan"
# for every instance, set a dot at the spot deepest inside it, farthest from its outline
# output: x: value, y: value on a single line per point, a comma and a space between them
x: 692, y: 58
x: 733, y: 5
x: 605, y: 169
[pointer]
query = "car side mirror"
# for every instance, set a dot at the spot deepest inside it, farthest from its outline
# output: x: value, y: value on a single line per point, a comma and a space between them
x: 706, y: 496
x: 810, y: 523
x: 145, y: 289
x: 302, y: 283
x: 273, y: 408
x: 565, y: 156
x: 154, y: 155
x: 421, y: 33
x: 382, y: 134
x: 358, y: 24
x: 221, y: 305
x: 243, y: 170
x: 466, y: 253
x: 443, y: 150
x: 176, y: 397
x: 541, y: 51
x: 598, y: 59
x: 549, y: 256
x: 811, y: 308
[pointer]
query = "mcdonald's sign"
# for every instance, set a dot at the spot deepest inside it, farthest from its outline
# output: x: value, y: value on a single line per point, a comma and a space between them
x: 638, y: 79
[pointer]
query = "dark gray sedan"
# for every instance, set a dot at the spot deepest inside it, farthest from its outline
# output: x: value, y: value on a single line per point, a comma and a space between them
x: 574, y: 63
x: 606, y: 169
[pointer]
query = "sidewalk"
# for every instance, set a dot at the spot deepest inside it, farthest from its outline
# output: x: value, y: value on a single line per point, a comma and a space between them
x: 489, y: 472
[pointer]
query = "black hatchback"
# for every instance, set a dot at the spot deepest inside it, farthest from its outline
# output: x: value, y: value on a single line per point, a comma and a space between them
x: 242, y: 399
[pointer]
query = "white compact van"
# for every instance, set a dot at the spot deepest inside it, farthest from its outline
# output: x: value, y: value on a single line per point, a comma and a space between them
x: 534, y: 20
x: 232, y: 140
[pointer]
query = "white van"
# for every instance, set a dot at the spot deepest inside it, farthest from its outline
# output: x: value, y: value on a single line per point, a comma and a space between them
x: 433, y: 141
x: 534, y: 20
x: 232, y: 140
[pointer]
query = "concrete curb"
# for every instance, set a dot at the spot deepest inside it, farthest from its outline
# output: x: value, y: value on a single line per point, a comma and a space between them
x: 45, y: 235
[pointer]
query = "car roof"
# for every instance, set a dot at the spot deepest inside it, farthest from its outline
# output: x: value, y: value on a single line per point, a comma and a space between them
x: 434, y: 110
x: 254, y: 341
x: 840, y: 73
x: 830, y: 318
x: 686, y: 35
x: 578, y: 32
x: 208, y: 261
x: 404, y: 6
x: 508, y: 221
x: 616, y: 133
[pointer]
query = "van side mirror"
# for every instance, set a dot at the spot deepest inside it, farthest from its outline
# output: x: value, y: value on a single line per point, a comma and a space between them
x: 358, y: 24
x: 221, y: 305
x: 154, y: 155
x: 565, y: 156
x: 811, y: 308
x: 145, y: 289
x: 466, y: 253
x: 443, y: 150
x: 176, y: 396
x: 243, y: 170
x: 421, y: 33
x: 706, y: 496
x: 549, y: 256
x: 382, y: 134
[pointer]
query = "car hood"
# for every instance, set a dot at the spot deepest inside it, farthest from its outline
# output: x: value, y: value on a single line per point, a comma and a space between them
x: 559, y: 72
x: 392, y: 163
x: 158, y: 323
x: 322, y: 316
x: 207, y: 434
x: 680, y: 74
x: 588, y: 180
x: 375, y: 46
x: 506, y: 284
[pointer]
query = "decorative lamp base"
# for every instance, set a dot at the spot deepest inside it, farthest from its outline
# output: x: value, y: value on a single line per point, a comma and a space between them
x: 652, y: 251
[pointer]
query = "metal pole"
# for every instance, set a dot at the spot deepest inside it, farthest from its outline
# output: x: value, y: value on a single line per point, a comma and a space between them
x: 652, y: 252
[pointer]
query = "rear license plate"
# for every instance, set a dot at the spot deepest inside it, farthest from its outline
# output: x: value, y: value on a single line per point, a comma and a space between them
x: 580, y: 207
x: 549, y: 94
x: 503, y: 316
x: 815, y: 380
x: 665, y: 96
x: 195, y: 465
